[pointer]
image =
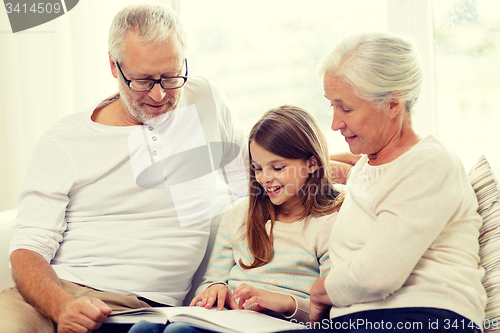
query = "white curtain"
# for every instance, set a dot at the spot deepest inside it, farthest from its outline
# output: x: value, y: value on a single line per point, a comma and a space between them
x: 62, y: 66
x: 46, y: 73
x: 414, y: 19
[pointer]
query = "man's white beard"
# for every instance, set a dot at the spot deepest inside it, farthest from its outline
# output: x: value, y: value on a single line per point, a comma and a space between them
x: 139, y: 114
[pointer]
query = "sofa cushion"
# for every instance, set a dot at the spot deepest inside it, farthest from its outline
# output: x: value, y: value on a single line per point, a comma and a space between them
x: 486, y: 187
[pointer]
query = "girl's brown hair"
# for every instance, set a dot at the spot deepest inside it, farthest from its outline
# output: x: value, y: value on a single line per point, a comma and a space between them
x: 290, y: 132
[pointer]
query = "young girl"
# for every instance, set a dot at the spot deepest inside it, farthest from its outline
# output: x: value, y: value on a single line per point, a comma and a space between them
x: 272, y: 246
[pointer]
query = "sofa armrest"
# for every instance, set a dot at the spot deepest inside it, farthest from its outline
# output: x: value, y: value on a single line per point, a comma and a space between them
x: 7, y: 220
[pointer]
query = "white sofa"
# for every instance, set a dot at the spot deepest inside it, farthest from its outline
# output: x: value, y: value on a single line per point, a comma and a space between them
x: 6, y: 226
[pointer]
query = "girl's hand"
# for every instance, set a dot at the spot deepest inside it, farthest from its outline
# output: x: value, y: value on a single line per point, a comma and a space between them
x: 257, y: 299
x: 219, y: 292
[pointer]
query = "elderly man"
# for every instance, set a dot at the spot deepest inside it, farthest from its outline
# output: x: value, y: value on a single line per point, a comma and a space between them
x: 118, y: 201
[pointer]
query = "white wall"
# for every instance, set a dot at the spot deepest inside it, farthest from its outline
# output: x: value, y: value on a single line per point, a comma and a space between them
x: 47, y: 72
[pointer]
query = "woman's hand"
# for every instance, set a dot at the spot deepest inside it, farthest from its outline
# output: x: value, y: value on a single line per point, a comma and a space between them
x: 318, y: 311
x: 319, y: 303
x: 257, y: 299
x: 219, y: 292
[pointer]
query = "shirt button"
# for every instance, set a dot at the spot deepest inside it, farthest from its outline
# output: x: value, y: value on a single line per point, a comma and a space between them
x: 155, y: 153
x: 150, y: 128
x: 154, y: 138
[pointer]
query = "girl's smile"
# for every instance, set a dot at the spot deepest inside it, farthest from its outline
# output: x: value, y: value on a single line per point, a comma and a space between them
x: 273, y: 190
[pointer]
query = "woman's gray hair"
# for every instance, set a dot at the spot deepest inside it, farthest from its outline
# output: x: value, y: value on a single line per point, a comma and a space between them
x: 376, y: 64
x: 153, y: 22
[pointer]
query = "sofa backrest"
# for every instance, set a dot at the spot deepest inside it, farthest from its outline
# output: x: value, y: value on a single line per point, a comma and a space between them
x: 7, y: 219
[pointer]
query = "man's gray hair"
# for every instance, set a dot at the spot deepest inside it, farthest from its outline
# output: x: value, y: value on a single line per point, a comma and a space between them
x: 153, y: 23
x: 376, y: 64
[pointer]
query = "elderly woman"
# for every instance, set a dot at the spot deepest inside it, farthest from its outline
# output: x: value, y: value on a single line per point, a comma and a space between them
x: 404, y: 248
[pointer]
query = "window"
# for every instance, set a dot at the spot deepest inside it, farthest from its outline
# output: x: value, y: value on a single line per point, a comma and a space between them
x: 467, y: 40
x: 265, y: 53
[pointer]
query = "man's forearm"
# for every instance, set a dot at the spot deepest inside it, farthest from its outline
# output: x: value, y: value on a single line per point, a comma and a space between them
x: 38, y: 283
x: 340, y: 164
x: 345, y: 157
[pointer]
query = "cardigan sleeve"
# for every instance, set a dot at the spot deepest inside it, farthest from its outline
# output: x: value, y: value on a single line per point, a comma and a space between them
x: 221, y: 259
x: 423, y: 195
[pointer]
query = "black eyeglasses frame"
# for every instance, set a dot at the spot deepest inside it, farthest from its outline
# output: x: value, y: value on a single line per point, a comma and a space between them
x: 154, y: 81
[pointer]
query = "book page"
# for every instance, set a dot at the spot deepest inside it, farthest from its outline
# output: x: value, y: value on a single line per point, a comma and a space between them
x: 244, y: 321
x: 155, y: 315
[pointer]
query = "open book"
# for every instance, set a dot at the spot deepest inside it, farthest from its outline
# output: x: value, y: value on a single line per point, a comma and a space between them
x: 241, y: 321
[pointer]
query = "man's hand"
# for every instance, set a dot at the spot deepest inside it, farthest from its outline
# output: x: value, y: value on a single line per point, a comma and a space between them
x: 217, y: 292
x: 40, y: 286
x: 259, y: 299
x: 82, y: 315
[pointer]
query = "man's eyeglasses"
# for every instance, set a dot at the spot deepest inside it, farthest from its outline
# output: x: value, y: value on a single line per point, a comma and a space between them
x: 174, y: 82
